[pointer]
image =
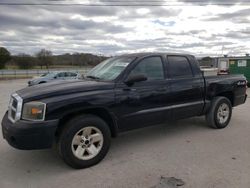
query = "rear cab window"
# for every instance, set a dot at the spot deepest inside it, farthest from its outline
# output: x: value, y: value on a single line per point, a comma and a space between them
x: 179, y: 67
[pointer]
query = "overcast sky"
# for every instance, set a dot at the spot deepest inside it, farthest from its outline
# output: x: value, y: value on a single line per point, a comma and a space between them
x: 197, y: 28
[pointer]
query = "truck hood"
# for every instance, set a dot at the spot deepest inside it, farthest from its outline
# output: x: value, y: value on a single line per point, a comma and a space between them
x: 64, y: 87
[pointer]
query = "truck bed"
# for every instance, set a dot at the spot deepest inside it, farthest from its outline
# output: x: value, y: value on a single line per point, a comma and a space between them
x: 233, y: 86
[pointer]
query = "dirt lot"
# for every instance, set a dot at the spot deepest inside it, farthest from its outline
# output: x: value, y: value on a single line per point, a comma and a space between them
x: 188, y: 149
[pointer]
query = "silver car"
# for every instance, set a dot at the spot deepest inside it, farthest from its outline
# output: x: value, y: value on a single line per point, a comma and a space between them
x: 53, y: 76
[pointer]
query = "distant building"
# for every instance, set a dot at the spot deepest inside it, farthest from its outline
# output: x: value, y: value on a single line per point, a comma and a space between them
x: 240, y: 65
x: 226, y: 64
x: 206, y: 62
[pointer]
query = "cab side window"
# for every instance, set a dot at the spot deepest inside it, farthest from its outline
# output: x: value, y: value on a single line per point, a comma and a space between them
x: 61, y: 75
x: 71, y: 74
x: 179, y: 67
x: 151, y: 67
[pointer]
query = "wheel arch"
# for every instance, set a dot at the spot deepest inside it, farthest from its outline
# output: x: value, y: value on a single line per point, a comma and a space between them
x: 228, y: 94
x: 102, y: 113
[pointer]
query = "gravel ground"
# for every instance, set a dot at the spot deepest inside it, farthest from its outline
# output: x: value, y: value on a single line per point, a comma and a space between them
x: 187, y: 150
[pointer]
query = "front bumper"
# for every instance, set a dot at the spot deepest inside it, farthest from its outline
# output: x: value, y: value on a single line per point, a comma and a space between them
x: 28, y: 135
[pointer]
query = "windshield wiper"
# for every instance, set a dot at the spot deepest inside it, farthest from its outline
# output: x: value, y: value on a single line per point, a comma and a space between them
x: 93, y: 77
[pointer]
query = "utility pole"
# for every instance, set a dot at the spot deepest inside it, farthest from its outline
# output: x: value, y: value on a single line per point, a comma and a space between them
x: 222, y: 50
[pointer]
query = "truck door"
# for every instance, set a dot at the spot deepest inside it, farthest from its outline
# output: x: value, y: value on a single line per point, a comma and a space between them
x: 186, y: 88
x: 146, y: 102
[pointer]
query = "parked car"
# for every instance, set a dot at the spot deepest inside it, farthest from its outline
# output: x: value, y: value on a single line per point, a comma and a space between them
x: 53, y: 76
x: 119, y: 94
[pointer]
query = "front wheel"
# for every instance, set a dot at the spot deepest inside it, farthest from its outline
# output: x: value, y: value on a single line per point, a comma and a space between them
x: 84, y: 141
x: 220, y: 112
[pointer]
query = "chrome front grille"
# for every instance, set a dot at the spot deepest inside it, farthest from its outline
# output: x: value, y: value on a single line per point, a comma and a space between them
x: 15, y: 107
x: 12, y: 108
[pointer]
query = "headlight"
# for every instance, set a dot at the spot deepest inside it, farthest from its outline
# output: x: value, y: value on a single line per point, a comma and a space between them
x: 34, y: 111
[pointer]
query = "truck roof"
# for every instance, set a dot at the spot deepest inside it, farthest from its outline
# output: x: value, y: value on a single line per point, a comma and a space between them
x: 153, y: 53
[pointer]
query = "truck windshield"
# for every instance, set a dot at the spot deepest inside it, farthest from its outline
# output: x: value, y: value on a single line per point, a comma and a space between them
x: 110, y: 68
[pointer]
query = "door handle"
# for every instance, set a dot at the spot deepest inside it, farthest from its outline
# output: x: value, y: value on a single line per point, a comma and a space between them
x: 129, y: 89
x: 161, y: 89
x: 196, y: 86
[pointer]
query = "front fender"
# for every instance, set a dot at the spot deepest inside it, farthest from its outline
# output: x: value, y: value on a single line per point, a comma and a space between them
x: 59, y: 106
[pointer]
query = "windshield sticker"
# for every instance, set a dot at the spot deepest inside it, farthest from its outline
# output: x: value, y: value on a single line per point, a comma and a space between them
x: 121, y: 64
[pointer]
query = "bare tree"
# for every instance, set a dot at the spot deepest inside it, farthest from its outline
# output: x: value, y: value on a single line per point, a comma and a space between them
x: 44, y: 58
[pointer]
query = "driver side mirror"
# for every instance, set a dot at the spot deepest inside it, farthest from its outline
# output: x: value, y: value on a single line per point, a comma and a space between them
x: 135, y: 78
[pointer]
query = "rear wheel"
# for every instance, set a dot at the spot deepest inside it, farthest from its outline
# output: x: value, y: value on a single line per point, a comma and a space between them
x: 84, y: 141
x: 220, y: 113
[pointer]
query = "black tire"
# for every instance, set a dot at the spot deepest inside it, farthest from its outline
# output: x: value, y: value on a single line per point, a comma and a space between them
x: 42, y: 82
x: 68, y: 132
x: 211, y: 116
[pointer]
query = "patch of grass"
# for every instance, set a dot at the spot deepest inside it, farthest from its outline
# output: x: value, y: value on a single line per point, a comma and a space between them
x: 11, y: 77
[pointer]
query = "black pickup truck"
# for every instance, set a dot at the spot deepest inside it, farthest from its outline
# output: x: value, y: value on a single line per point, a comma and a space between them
x: 122, y: 93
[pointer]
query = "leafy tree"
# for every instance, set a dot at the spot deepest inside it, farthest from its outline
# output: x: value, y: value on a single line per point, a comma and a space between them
x: 4, y: 57
x: 24, y: 61
x: 44, y: 58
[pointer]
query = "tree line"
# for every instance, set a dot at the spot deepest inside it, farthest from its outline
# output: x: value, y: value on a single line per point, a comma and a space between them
x: 45, y: 58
